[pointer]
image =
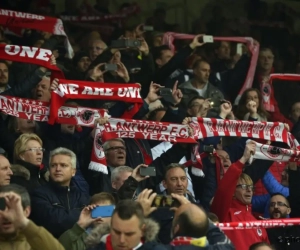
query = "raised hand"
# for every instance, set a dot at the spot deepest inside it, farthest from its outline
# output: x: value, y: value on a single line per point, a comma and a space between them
x: 153, y: 93
x: 195, y: 43
x: 85, y: 218
x: 122, y: 72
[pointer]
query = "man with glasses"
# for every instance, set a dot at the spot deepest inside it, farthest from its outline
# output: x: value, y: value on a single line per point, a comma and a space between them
x: 57, y: 205
x: 232, y: 201
x: 280, y: 208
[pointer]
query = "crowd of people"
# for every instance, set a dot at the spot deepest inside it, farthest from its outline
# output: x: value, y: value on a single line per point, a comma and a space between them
x: 48, y: 192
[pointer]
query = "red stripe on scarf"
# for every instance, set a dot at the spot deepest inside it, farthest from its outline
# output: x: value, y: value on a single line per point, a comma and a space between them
x: 10, y: 18
x: 39, y: 111
x: 68, y: 89
x: 32, y: 55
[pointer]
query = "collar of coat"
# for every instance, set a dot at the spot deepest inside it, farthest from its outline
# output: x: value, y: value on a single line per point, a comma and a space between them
x: 99, y: 234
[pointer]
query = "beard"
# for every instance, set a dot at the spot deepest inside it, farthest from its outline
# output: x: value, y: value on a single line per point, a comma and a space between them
x: 276, y: 214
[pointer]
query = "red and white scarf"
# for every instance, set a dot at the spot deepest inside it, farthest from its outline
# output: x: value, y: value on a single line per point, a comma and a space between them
x: 182, y: 240
x: 108, y: 244
x: 202, y: 128
x: 32, y: 55
x: 39, y: 111
x: 21, y: 20
x: 135, y: 129
x: 253, y: 48
x: 69, y: 89
x: 269, y: 152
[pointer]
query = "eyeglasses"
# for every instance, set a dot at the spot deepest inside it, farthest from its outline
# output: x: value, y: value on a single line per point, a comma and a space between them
x: 117, y: 149
x: 246, y: 187
x: 279, y: 204
x: 34, y: 150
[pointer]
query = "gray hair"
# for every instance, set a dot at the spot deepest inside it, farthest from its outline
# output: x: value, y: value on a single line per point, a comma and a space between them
x: 106, y: 144
x: 64, y: 151
x: 118, y: 170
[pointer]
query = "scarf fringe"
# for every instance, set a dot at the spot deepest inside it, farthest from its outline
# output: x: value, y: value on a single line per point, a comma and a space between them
x: 98, y: 167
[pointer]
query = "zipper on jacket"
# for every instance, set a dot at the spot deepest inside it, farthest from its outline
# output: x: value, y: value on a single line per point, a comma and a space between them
x: 68, y: 198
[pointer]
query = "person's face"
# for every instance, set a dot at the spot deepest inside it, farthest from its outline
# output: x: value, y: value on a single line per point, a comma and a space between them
x: 195, y: 108
x: 225, y: 159
x: 3, y: 74
x: 295, y: 113
x: 266, y: 60
x: 223, y: 52
x: 125, y: 234
x: 116, y: 58
x: 83, y: 64
x: 176, y: 181
x: 7, y: 227
x: 42, y: 90
x: 278, y: 207
x: 24, y: 125
x: 5, y: 171
x: 106, y: 220
x: 165, y: 57
x: 116, y: 154
x: 285, y: 177
x: 202, y: 72
x: 252, y: 96
x: 33, y: 153
x: 95, y: 49
x: 61, y: 170
x: 157, y: 41
x: 67, y: 128
x: 120, y: 180
x: 243, y: 195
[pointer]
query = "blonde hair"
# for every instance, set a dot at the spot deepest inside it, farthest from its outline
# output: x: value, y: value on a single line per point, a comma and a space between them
x: 20, y: 144
x: 246, y: 178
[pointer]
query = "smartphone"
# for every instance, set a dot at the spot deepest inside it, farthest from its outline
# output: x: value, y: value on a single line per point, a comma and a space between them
x: 149, y: 171
x: 103, y: 211
x: 208, y: 149
x: 2, y: 203
x: 110, y: 67
x: 165, y: 201
x: 239, y: 48
x: 126, y: 43
x: 208, y: 39
x: 165, y: 92
x: 147, y: 28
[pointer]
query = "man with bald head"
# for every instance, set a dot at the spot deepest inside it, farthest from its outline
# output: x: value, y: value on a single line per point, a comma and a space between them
x: 5, y: 171
x: 190, y: 226
x: 189, y: 221
x: 96, y: 47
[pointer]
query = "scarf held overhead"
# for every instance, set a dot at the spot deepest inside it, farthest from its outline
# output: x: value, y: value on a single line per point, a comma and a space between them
x: 253, y: 47
x: 201, y: 127
x: 39, y: 111
x: 22, y: 20
x: 32, y: 55
x: 68, y: 89
x: 135, y: 129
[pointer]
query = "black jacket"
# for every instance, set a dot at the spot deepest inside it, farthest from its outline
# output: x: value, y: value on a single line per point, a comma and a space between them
x: 27, y: 175
x: 287, y: 238
x: 57, y: 208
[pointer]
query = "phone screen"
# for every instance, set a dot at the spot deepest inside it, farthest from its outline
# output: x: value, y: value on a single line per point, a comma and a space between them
x: 103, y: 211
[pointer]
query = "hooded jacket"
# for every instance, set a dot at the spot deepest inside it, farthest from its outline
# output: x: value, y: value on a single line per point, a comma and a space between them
x: 230, y: 210
x: 99, y: 236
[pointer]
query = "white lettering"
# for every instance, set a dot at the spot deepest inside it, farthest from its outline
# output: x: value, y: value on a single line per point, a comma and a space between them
x: 73, y: 89
x: 12, y: 49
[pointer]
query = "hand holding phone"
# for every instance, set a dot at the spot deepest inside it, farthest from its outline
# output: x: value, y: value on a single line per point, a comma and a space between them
x: 165, y: 201
x: 147, y: 171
